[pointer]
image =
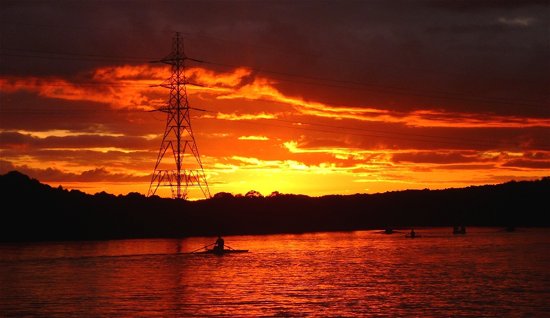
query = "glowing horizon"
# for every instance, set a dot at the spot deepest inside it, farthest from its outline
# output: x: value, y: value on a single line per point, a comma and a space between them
x: 255, y: 137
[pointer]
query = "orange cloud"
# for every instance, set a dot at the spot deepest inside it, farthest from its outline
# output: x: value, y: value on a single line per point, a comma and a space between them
x: 315, y: 167
x: 123, y: 95
x: 149, y: 73
x: 234, y: 116
x: 263, y: 89
x: 342, y: 153
x: 258, y: 138
x: 214, y: 79
x: 129, y: 87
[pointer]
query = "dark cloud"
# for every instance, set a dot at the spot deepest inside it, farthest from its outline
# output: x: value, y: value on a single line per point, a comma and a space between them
x: 475, y: 5
x: 138, y: 161
x: 446, y: 54
x: 18, y: 140
x: 6, y: 166
x: 395, y: 136
x: 465, y: 167
x: 56, y: 175
x: 28, y: 111
x: 435, y: 157
x: 532, y: 164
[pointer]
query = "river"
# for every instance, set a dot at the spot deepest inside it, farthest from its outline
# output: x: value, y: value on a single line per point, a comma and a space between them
x: 486, y: 273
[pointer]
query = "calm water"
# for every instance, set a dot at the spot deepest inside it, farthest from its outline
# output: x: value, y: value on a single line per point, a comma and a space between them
x: 486, y: 273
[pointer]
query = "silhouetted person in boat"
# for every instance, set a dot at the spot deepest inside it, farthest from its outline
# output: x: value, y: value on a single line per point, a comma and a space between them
x: 413, y: 233
x: 219, y: 244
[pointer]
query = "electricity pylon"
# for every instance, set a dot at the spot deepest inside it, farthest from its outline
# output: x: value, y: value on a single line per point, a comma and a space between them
x: 183, y: 169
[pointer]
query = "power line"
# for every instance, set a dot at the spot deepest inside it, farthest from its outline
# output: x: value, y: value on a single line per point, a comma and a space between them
x: 480, y: 143
x: 139, y: 59
x: 70, y: 55
x: 376, y: 133
x: 268, y: 49
x: 375, y: 130
x: 392, y: 134
x: 317, y: 81
x: 78, y: 83
x: 383, y: 88
x: 339, y: 127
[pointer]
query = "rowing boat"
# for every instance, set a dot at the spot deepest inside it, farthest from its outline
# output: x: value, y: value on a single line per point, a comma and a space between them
x: 221, y: 252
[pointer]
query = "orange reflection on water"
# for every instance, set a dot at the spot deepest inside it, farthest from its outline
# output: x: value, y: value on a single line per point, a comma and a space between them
x: 487, y: 272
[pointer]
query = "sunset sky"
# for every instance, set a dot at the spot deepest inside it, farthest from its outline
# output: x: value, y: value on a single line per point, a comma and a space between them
x: 308, y: 97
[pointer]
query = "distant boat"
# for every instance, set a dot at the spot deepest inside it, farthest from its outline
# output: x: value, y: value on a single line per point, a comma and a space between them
x: 389, y: 231
x: 221, y: 252
x: 412, y: 234
x: 459, y: 229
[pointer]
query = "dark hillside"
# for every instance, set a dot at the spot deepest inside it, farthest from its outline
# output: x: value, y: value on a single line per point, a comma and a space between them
x: 38, y: 212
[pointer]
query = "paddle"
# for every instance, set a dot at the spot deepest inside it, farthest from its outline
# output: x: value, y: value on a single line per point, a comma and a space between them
x: 202, y: 248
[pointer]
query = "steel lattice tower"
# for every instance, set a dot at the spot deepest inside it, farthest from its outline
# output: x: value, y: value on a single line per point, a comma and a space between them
x: 183, y: 169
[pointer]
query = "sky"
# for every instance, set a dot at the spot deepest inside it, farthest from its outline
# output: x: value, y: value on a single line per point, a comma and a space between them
x: 305, y: 97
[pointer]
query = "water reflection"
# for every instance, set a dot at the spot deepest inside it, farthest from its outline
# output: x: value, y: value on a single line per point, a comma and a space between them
x: 484, y: 273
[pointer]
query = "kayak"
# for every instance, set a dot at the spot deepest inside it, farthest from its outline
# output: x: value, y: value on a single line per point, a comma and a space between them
x: 223, y: 252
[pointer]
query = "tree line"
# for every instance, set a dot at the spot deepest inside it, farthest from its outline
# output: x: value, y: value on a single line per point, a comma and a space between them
x: 37, y: 212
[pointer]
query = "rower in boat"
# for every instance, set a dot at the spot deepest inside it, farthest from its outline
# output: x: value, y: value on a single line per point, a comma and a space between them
x: 220, y: 252
x: 219, y: 245
x: 219, y: 248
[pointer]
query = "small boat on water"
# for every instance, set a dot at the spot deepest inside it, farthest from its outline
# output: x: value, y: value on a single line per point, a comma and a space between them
x: 412, y: 234
x: 221, y: 252
x: 459, y: 229
x: 218, y: 249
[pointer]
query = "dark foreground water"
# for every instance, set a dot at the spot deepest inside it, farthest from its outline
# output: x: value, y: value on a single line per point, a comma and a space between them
x: 485, y: 273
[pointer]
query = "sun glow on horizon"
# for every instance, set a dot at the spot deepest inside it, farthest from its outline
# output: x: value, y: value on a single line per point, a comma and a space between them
x: 254, y: 136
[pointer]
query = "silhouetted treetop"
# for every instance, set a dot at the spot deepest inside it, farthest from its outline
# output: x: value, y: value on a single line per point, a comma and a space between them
x: 253, y: 194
